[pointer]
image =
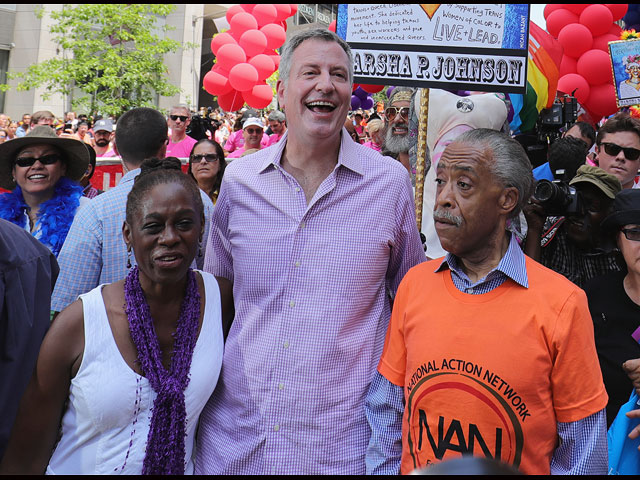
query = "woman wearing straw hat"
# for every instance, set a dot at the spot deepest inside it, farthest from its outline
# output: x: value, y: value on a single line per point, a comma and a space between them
x: 41, y: 171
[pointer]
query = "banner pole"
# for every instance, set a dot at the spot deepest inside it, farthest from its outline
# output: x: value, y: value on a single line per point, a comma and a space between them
x: 422, y: 153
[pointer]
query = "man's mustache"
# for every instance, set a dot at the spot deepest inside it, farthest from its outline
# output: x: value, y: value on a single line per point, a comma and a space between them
x: 443, y: 215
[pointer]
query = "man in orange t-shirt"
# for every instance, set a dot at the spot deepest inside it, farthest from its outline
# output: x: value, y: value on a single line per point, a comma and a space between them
x: 487, y: 353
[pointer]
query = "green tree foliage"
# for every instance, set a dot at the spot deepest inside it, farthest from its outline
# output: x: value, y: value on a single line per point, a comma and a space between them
x: 111, y: 53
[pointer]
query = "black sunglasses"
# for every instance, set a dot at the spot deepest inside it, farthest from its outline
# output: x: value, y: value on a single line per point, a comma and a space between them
x: 614, y: 149
x: 45, y: 160
x: 183, y: 118
x: 209, y: 157
x: 631, y: 233
x: 391, y: 112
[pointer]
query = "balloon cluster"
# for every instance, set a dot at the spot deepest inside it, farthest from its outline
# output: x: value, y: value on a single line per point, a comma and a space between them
x: 361, y: 99
x: 584, y: 31
x: 632, y: 18
x: 246, y: 56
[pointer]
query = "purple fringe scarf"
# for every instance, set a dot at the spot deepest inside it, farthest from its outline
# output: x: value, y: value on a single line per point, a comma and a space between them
x: 165, y: 453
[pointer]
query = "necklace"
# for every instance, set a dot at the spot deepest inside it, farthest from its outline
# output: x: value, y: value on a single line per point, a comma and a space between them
x: 165, y: 444
x: 54, y: 216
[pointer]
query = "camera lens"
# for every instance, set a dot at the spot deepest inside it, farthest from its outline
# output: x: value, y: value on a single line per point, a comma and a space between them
x: 544, y: 191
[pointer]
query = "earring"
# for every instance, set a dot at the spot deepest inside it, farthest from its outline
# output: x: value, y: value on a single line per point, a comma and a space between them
x: 199, y: 249
x: 128, y: 258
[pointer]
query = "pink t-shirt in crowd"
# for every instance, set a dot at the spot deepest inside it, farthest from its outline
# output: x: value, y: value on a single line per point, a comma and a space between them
x: 236, y: 140
x: 181, y: 149
x: 372, y: 145
x: 108, y: 153
x: 273, y: 139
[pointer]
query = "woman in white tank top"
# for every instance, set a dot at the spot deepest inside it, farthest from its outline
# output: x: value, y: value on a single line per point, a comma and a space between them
x: 124, y: 372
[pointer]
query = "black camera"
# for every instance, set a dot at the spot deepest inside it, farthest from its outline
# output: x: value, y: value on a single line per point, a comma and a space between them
x: 558, y: 198
x: 561, y: 115
x: 199, y: 127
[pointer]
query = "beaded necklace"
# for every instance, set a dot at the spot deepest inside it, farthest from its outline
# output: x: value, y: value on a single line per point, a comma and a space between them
x: 165, y: 444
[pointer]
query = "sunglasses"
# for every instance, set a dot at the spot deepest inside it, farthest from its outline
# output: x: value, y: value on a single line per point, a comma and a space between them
x: 391, y: 113
x: 209, y: 157
x: 253, y: 131
x: 613, y: 150
x: 183, y: 118
x: 631, y: 234
x: 30, y: 161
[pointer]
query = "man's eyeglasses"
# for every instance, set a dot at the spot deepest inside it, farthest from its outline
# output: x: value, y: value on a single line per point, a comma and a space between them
x: 209, y: 157
x: 183, y: 118
x: 45, y: 160
x: 391, y: 113
x: 253, y: 131
x: 613, y: 150
x: 631, y: 234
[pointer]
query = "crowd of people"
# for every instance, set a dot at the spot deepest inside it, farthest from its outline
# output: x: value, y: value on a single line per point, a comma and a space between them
x: 269, y: 306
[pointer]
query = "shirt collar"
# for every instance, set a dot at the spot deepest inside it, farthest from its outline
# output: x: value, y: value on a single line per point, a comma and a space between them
x: 512, y: 264
x: 347, y: 157
x: 129, y: 176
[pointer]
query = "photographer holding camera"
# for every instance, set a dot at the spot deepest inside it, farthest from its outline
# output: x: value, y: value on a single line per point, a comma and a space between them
x: 563, y: 222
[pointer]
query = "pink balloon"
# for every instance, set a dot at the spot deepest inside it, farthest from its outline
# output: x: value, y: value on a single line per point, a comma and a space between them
x: 243, y: 77
x: 275, y: 34
x: 602, y: 101
x: 265, y: 13
x: 284, y: 11
x: 264, y: 65
x: 231, y: 102
x: 220, y: 40
x: 254, y: 42
x: 573, y: 82
x: 551, y: 7
x: 602, y: 42
x: 597, y: 18
x: 241, y: 22
x: 233, y: 11
x: 576, y: 8
x: 276, y: 60
x: 248, y: 7
x: 575, y: 39
x: 618, y: 10
x: 294, y: 8
x: 558, y: 19
x: 229, y: 55
x: 595, y: 67
x: 259, y: 97
x: 568, y: 65
x: 216, y: 84
x: 332, y: 26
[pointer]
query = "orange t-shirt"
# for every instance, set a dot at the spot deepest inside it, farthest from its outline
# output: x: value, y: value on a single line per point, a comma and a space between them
x: 491, y: 374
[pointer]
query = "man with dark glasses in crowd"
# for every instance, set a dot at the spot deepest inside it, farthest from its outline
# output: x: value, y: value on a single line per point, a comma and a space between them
x: 618, y: 148
x: 397, y: 141
x: 180, y: 144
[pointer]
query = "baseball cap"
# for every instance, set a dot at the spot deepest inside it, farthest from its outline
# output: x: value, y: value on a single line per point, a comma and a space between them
x: 609, y: 184
x: 252, y: 121
x: 103, y: 124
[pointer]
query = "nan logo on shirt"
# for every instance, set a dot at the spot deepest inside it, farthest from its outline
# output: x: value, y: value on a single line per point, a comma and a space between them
x: 455, y: 407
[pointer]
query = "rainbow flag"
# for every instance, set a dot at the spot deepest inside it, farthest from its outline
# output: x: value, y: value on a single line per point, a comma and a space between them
x: 543, y: 72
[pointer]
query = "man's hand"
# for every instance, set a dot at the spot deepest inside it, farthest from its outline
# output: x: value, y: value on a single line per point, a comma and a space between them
x: 632, y: 369
x: 535, y: 215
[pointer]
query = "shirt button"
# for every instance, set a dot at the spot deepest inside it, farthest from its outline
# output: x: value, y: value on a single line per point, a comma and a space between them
x: 286, y: 344
x: 469, y: 290
x: 302, y: 225
x: 276, y: 428
x: 292, y: 304
x: 281, y: 386
x: 297, y: 263
x: 297, y: 189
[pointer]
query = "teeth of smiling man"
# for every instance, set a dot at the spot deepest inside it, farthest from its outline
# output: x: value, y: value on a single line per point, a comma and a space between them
x: 321, y: 104
x: 36, y: 177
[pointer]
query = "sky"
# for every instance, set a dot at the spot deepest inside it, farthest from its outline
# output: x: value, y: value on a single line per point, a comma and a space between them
x: 536, y: 15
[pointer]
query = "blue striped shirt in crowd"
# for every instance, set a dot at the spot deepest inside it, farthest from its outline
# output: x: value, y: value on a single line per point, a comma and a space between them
x: 583, y: 444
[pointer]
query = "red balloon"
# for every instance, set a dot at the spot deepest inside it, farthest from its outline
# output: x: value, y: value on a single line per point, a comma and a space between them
x: 618, y: 10
x: 355, y: 87
x: 595, y: 67
x: 265, y: 13
x: 254, y: 42
x: 597, y: 18
x: 248, y: 7
x: 602, y: 42
x: 276, y: 60
x: 233, y: 11
x: 550, y: 7
x: 615, y: 30
x: 259, y: 97
x: 576, y: 8
x: 573, y: 82
x: 241, y: 22
x: 568, y: 65
x: 332, y: 26
x: 372, y: 88
x: 216, y: 84
x: 220, y: 40
x: 284, y: 11
x: 602, y: 101
x: 264, y: 65
x: 231, y: 102
x: 558, y: 19
x: 275, y: 34
x: 230, y: 55
x: 294, y: 8
x: 243, y: 77
x: 283, y: 24
x: 575, y: 39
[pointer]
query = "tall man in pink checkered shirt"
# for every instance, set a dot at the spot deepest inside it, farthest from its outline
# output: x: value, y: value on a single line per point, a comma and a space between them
x: 315, y: 233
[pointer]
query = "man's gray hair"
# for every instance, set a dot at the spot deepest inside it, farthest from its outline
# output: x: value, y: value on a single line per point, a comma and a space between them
x: 286, y: 52
x: 510, y: 166
x: 276, y: 116
x: 181, y: 106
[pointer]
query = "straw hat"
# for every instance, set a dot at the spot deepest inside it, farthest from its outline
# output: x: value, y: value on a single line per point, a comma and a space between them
x: 76, y: 153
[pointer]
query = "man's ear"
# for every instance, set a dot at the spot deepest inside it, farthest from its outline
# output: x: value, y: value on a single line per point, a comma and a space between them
x: 508, y: 200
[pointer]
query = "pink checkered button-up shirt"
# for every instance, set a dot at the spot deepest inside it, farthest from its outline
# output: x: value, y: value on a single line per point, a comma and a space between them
x: 312, y: 285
